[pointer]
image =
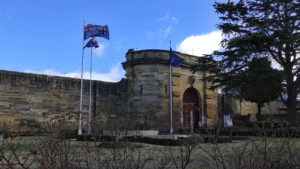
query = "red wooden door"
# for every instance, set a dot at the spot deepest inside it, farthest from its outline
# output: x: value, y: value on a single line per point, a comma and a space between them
x: 187, y: 107
x: 191, y: 103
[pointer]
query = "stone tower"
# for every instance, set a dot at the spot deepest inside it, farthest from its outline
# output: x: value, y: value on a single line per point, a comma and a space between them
x: 148, y: 72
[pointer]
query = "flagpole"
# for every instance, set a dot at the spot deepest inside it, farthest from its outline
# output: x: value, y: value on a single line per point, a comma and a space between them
x: 171, y: 97
x: 81, y: 86
x: 90, y: 104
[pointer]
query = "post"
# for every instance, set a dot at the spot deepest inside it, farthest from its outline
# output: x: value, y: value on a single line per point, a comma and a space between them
x: 191, y: 121
x: 90, y: 103
x: 81, y: 86
x: 204, y: 115
x: 171, y: 101
x: 171, y: 97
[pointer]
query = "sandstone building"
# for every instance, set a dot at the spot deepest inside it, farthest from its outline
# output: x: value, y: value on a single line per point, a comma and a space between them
x: 148, y: 72
x: 144, y: 95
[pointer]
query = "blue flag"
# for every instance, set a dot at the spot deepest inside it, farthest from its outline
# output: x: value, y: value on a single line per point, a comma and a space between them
x: 92, y: 43
x: 174, y: 59
x: 96, y: 30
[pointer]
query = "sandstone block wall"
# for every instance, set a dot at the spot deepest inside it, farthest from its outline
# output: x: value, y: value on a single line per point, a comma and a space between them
x: 144, y: 96
x: 148, y: 73
x: 149, y: 88
x: 42, y: 97
x: 232, y: 106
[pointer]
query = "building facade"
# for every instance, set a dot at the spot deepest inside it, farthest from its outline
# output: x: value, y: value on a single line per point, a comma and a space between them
x: 143, y: 96
x: 148, y: 74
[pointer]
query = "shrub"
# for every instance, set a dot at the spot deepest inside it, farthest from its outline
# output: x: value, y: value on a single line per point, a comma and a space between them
x: 238, y: 123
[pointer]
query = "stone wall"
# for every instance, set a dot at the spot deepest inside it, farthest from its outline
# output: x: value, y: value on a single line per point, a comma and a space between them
x: 148, y: 81
x: 148, y: 72
x: 144, y: 96
x: 42, y: 97
x: 232, y: 106
x: 273, y: 107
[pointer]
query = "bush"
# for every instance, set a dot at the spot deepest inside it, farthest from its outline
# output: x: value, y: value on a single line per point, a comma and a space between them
x: 68, y: 134
x: 269, y: 124
x: 239, y: 123
x: 156, y: 141
x: 217, y: 139
x: 93, y: 137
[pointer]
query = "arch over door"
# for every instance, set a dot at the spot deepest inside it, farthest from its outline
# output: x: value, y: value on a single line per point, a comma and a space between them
x: 191, y: 102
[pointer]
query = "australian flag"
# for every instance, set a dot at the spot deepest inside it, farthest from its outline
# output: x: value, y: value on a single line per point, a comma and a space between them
x: 174, y: 59
x: 92, y: 43
x: 96, y: 30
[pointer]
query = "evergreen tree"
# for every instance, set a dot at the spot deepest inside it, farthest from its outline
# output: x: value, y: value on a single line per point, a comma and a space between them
x: 259, y: 83
x: 258, y: 28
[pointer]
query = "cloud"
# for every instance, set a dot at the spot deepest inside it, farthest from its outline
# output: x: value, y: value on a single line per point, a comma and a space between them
x: 174, y: 20
x: 169, y: 29
x: 164, y: 31
x: 168, y: 19
x: 201, y: 44
x: 116, y: 74
x: 164, y: 18
x: 166, y: 24
x: 100, y: 50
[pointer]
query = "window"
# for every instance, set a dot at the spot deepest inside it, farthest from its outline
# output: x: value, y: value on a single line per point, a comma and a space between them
x: 166, y: 89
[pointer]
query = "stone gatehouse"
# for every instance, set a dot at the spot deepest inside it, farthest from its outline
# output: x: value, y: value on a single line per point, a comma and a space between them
x: 148, y: 73
x: 144, y: 94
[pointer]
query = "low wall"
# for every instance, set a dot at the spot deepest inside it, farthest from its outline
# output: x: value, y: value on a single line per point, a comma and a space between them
x: 132, y: 133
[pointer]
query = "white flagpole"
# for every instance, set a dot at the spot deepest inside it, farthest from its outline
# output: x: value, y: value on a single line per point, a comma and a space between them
x: 171, y: 96
x: 80, y: 109
x: 90, y: 104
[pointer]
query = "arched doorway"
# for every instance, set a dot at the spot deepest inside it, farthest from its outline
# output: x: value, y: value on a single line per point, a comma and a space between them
x: 191, y: 103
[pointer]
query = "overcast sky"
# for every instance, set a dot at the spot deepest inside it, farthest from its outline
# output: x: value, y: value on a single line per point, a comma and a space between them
x: 46, y: 36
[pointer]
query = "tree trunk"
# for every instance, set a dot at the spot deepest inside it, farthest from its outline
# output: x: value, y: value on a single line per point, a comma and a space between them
x: 146, y: 125
x: 258, y: 115
x: 291, y: 87
x: 292, y: 106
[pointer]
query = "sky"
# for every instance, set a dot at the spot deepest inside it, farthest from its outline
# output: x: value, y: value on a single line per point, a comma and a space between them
x: 46, y: 36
